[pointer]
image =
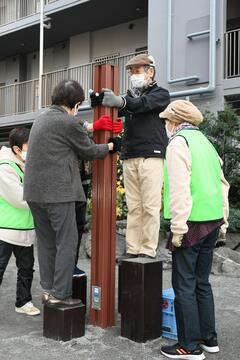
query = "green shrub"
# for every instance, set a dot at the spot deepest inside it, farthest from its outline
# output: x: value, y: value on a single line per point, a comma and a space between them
x: 223, y: 130
x: 234, y: 220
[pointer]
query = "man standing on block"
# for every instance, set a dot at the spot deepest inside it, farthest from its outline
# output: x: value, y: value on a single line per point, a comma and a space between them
x: 143, y: 150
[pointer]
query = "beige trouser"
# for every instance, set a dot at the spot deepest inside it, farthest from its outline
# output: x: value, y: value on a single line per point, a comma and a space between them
x: 143, y: 179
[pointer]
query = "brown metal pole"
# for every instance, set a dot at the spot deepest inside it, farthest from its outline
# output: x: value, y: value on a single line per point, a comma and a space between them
x: 102, y: 307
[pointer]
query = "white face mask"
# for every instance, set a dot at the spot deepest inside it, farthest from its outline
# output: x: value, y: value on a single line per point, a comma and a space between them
x: 24, y: 155
x: 138, y: 81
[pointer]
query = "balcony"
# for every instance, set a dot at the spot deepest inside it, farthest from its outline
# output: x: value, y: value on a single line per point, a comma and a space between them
x: 13, y: 10
x: 232, y: 54
x: 19, y: 98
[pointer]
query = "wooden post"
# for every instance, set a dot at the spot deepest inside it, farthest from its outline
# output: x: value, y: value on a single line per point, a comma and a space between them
x: 64, y: 322
x: 141, y: 299
x: 102, y: 306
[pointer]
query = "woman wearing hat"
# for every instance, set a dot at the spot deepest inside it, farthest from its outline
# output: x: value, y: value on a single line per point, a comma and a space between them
x: 196, y: 201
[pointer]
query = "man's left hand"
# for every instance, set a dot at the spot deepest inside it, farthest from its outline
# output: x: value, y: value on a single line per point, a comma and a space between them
x: 117, y: 126
x: 111, y: 100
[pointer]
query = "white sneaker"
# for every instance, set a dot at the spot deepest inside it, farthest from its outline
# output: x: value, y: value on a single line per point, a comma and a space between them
x: 28, y: 309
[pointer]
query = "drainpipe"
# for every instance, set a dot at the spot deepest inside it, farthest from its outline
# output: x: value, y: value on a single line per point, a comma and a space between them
x: 212, y: 55
x: 41, y: 54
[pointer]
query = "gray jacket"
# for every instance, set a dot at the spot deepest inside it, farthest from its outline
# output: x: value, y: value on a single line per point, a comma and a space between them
x: 56, y: 142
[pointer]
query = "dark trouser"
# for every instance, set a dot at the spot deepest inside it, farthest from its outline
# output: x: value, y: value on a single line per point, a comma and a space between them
x: 81, y: 221
x: 81, y: 208
x: 194, y: 304
x: 56, y: 230
x: 24, y: 261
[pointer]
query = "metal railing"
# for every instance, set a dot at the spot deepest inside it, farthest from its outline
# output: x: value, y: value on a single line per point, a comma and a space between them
x: 13, y: 10
x: 22, y: 97
x: 232, y: 54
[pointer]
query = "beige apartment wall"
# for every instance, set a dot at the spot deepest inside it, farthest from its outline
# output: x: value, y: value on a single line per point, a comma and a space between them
x: 79, y: 49
x: 3, y: 72
x: 123, y: 38
x: 83, y: 48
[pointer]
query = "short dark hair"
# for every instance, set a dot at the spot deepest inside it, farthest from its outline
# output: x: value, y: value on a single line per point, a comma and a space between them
x: 18, y: 136
x: 67, y: 93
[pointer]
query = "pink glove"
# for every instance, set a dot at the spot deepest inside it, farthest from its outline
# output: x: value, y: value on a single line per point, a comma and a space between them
x: 117, y: 126
x: 103, y: 123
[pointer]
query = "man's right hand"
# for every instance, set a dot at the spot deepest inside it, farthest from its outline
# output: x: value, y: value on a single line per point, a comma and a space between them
x: 96, y: 99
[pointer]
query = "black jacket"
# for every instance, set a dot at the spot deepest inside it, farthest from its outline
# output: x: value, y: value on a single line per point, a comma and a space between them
x: 144, y: 132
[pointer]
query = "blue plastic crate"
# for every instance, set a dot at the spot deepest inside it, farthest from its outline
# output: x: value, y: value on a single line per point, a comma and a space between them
x: 169, y: 328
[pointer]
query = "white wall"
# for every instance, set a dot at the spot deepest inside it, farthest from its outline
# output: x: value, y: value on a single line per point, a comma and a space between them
x: 79, y: 49
x: 124, y: 38
x: 12, y: 70
x: 55, y: 58
x: 119, y: 38
x: 32, y: 66
x: 2, y: 71
x: 82, y: 48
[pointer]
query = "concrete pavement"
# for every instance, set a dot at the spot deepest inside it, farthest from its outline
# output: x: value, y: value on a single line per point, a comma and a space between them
x: 21, y: 336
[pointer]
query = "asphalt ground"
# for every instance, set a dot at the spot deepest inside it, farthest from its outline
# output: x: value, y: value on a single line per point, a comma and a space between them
x: 21, y: 336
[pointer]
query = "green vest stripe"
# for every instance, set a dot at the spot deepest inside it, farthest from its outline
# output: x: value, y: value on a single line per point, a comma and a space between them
x: 206, y: 188
x: 10, y: 216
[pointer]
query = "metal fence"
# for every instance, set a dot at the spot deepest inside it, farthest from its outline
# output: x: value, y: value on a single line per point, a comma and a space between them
x: 13, y: 10
x: 23, y: 97
x: 232, y: 53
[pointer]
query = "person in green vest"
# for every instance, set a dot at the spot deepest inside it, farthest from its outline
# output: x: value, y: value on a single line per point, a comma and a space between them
x: 196, y: 203
x: 17, y: 233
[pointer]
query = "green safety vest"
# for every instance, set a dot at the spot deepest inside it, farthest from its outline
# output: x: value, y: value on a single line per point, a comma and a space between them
x: 206, y: 188
x: 10, y: 216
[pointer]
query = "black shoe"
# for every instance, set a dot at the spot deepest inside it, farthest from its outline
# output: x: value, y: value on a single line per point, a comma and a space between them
x: 78, y: 272
x: 146, y: 256
x: 178, y: 352
x: 126, y: 257
x: 52, y: 300
x: 210, y: 345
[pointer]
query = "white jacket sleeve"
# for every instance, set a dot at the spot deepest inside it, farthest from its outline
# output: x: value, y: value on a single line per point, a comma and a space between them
x: 11, y: 188
x: 179, y: 165
x: 225, y: 190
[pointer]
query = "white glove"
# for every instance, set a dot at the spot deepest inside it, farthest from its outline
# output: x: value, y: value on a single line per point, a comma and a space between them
x: 177, y: 240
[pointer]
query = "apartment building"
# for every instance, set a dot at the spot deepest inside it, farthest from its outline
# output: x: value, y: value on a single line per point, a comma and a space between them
x: 196, y: 45
x: 78, y: 35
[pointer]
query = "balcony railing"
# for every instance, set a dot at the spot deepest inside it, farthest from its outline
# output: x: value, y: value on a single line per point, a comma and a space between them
x: 232, y: 53
x: 13, y: 10
x: 22, y: 97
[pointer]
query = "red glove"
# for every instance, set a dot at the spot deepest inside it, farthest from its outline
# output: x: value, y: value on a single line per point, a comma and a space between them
x: 117, y: 126
x: 103, y: 123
